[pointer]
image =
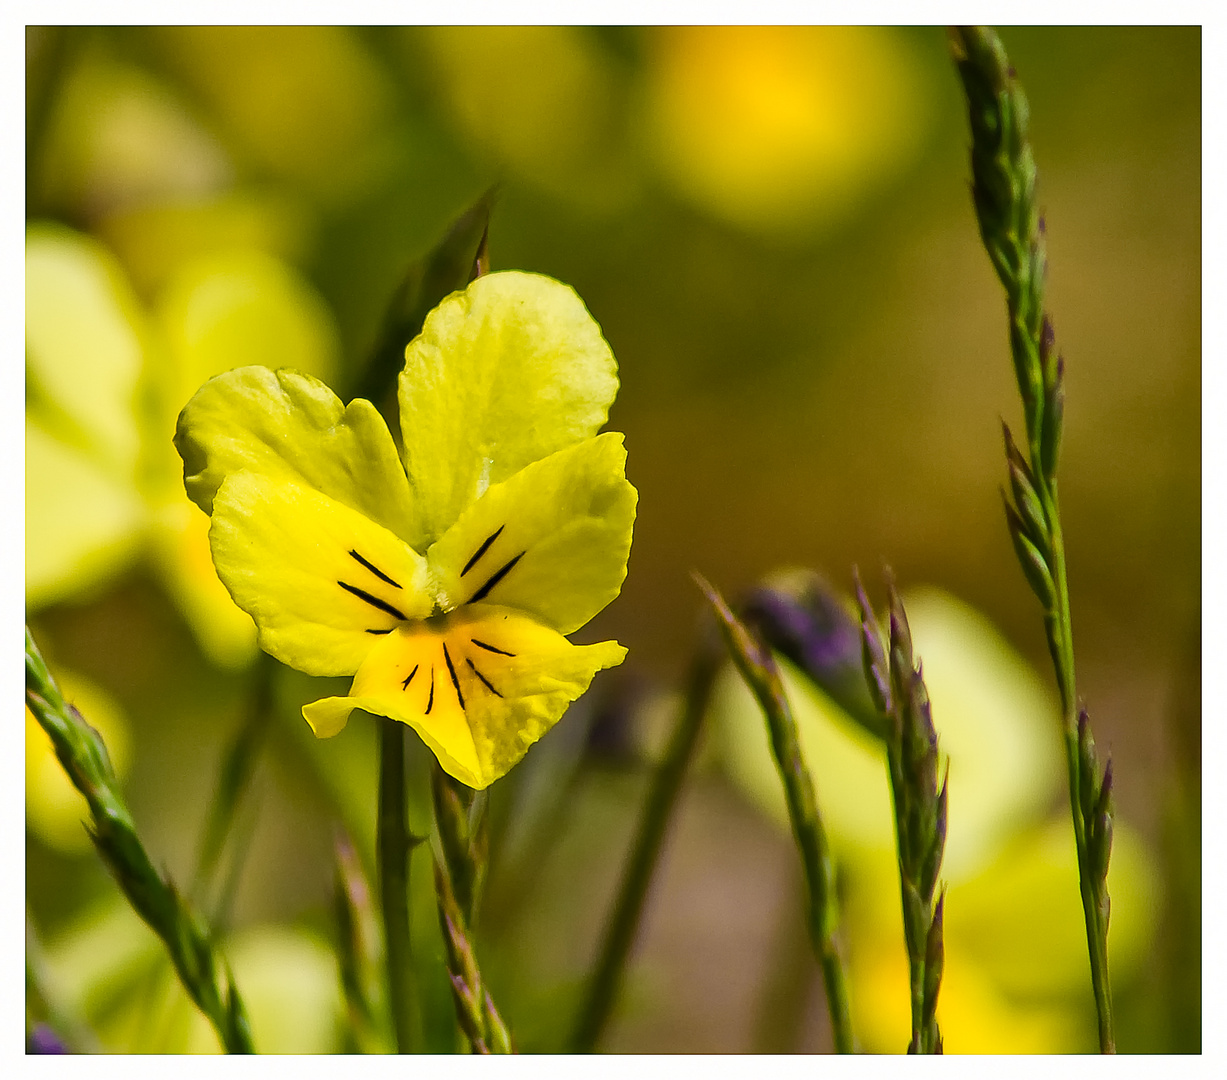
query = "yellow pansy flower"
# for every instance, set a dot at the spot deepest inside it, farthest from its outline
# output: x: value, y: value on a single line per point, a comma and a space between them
x: 443, y: 579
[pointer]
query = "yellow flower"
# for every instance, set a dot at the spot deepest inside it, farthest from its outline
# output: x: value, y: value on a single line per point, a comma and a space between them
x: 783, y: 130
x: 105, y: 378
x: 445, y: 585
x: 1014, y: 937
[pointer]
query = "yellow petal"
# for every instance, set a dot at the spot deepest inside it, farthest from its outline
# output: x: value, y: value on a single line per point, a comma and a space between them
x: 323, y: 583
x: 503, y: 374
x: 480, y: 686
x: 552, y: 541
x: 83, y: 526
x: 84, y: 347
x: 179, y: 548
x: 285, y: 424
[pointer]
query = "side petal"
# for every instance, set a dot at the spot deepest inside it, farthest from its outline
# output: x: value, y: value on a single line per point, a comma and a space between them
x: 290, y: 426
x: 85, y: 343
x: 552, y: 541
x: 480, y: 686
x: 234, y: 309
x: 504, y: 373
x: 323, y: 583
x: 82, y: 525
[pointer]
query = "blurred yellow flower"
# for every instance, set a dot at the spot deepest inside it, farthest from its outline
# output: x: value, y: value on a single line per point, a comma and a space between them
x: 784, y: 130
x: 109, y: 968
x: 106, y: 379
x: 1016, y: 962
x: 306, y: 103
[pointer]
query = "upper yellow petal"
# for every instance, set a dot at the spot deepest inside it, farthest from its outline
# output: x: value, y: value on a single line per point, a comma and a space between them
x: 287, y: 425
x: 503, y: 374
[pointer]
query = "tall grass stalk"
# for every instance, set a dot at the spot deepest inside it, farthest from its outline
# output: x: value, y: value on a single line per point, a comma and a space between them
x: 758, y: 668
x: 1003, y: 171
x: 898, y: 689
x: 188, y: 939
x: 627, y: 911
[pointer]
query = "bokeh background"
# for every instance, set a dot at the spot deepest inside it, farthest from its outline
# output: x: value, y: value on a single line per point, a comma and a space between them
x: 773, y: 228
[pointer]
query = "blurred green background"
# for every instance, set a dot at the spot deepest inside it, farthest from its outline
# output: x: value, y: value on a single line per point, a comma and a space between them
x: 774, y: 230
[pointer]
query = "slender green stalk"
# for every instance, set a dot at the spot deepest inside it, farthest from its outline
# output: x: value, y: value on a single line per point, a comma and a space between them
x: 236, y: 772
x: 359, y: 953
x: 392, y: 846
x: 602, y: 989
x: 188, y: 940
x: 899, y: 692
x: 758, y: 668
x: 1003, y: 171
x: 460, y: 868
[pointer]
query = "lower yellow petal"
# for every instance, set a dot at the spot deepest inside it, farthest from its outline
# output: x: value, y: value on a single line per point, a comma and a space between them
x: 480, y: 686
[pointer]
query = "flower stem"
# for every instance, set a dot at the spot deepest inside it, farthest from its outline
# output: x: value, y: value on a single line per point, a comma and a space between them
x: 392, y: 839
x: 758, y: 668
x: 188, y: 940
x: 237, y: 768
x: 460, y: 870
x: 628, y: 907
x: 1003, y: 171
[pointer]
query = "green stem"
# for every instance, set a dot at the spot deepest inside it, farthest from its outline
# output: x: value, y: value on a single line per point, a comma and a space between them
x: 628, y: 907
x: 1003, y: 170
x: 758, y: 668
x: 236, y: 772
x: 392, y: 839
x: 188, y: 939
x: 1096, y: 924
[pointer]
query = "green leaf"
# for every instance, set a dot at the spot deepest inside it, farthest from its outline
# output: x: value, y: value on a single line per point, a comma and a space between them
x: 503, y: 374
x: 562, y: 524
x: 288, y: 426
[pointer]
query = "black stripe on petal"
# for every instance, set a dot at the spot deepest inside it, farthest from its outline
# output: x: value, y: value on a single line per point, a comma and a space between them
x: 452, y: 671
x: 482, y: 550
x: 495, y: 578
x: 374, y: 569
x: 473, y: 668
x: 374, y: 601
